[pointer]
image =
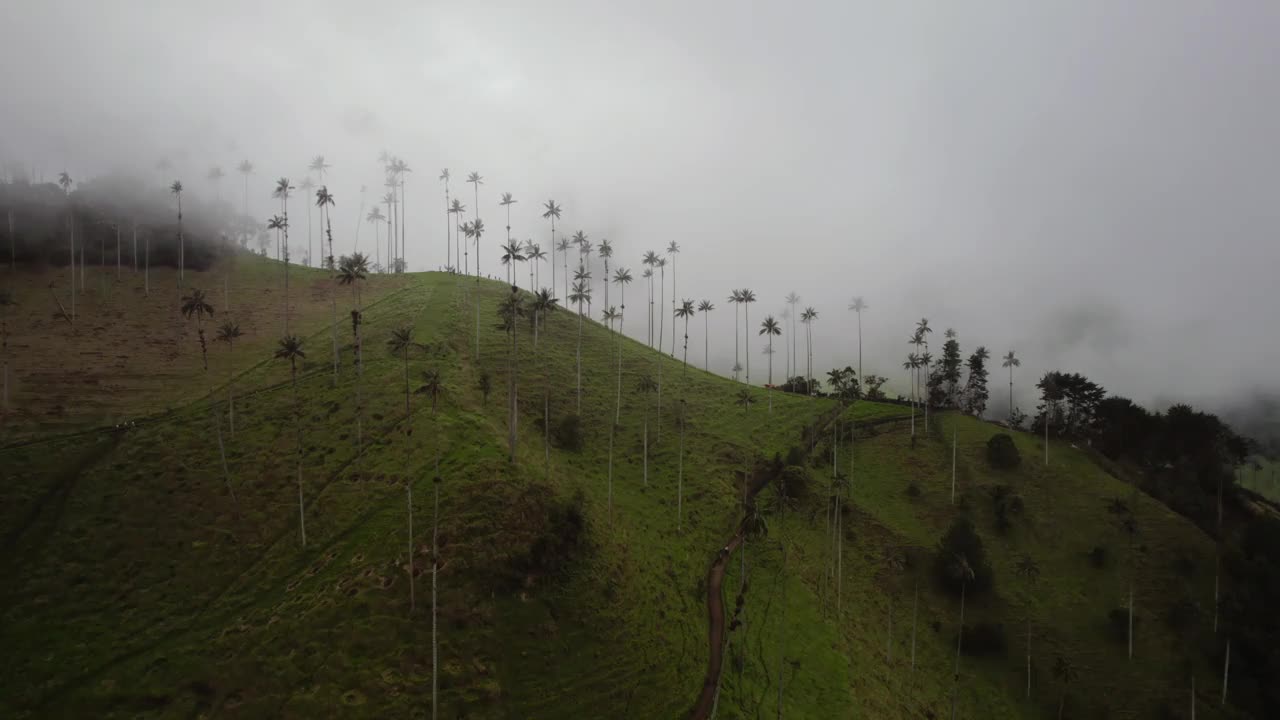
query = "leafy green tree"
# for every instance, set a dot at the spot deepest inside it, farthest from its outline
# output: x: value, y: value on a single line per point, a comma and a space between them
x: 944, y: 385
x: 290, y: 349
x: 975, y: 391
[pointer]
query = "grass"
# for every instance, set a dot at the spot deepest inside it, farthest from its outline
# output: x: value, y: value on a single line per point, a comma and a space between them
x: 138, y: 587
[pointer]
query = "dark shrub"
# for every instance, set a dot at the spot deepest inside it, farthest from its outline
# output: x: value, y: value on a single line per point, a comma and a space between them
x: 1182, y: 615
x: 913, y: 490
x: 984, y: 639
x: 1002, y: 453
x: 961, y: 542
x: 568, y: 433
x: 1006, y: 503
x: 794, y: 480
x: 795, y: 456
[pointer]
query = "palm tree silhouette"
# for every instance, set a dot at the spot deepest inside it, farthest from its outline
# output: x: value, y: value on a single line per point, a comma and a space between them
x: 735, y: 297
x: 176, y: 189
x: 245, y: 168
x: 705, y: 307
x: 651, y: 261
x: 606, y: 252
x: 432, y: 386
x: 290, y: 349
x: 228, y: 333
x: 959, y: 569
x: 858, y: 305
x: 215, y: 176
x: 745, y: 398
x: 476, y: 232
x: 476, y: 181
x: 1066, y: 674
x: 375, y: 216
x: 646, y: 386
x: 685, y: 311
x: 552, y: 212
x: 1027, y: 569
x: 912, y: 364
x: 535, y: 254
x: 563, y: 247
x: 923, y: 331
x: 580, y: 295
x: 324, y: 201
x: 748, y: 297
x: 622, y: 278
x: 507, y: 201
x: 513, y: 309
x: 1010, y: 362
x: 792, y: 300
x: 512, y: 253
x: 770, y: 329
x: 448, y: 247
x: 399, y: 168
x: 197, y: 305
x: 460, y: 248
x: 400, y: 343
x: 807, y: 317
x: 673, y: 249
x: 279, y: 224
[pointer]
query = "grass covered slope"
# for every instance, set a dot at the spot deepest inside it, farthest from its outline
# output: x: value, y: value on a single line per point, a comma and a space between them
x: 140, y: 587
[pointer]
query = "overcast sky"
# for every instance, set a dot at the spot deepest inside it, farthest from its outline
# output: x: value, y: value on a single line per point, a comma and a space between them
x: 1092, y: 183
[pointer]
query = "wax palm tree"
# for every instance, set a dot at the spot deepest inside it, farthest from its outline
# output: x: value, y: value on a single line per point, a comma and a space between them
x: 290, y: 349
x: 448, y: 240
x: 214, y: 177
x: 507, y: 201
x: 176, y: 189
x: 1011, y: 362
x: 959, y: 569
x: 895, y: 562
x: 583, y: 277
x: 673, y: 249
x: 580, y: 295
x: 460, y: 248
x: 535, y: 254
x: 351, y: 270
x: 435, y: 566
x: 324, y: 201
x: 432, y: 386
x: 195, y: 304
x: 745, y: 398
x: 306, y: 186
x: 552, y: 213
x: 770, y: 329
x: 646, y: 386
x: 563, y: 247
x: 375, y: 216
x: 807, y: 317
x: 735, y: 297
x: 858, y: 305
x: 748, y: 297
x: 791, y: 301
x: 610, y: 315
x: 686, y: 311
x: 400, y: 343
x: 512, y: 253
x: 622, y: 278
x: 319, y: 166
x: 228, y: 333
x: 662, y: 318
x: 606, y: 252
x: 923, y: 331
x: 476, y: 181
x: 912, y: 364
x: 512, y: 310
x: 475, y: 231
x: 399, y: 169
x: 651, y: 261
x: 705, y: 307
x: 245, y: 168
x: 1029, y: 571
x: 1065, y: 673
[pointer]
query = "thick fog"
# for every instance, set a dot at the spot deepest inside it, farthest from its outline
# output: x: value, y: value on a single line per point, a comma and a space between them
x: 1093, y: 184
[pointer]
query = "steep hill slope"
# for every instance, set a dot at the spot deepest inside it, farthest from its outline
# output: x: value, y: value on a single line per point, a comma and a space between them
x: 146, y: 581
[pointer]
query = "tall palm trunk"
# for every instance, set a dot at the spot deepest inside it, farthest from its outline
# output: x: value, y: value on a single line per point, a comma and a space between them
x: 579, y: 358
x: 182, y: 263
x: 955, y: 684
x: 333, y: 293
x: 435, y: 569
x: 513, y: 402
x: 403, y: 234
x: 408, y: 486
x: 297, y: 430
x: 746, y: 337
x: 405, y: 356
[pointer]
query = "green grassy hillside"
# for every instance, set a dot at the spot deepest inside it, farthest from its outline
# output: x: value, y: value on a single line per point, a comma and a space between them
x: 139, y: 586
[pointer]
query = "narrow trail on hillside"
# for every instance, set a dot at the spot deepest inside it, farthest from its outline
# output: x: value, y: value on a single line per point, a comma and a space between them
x: 715, y: 574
